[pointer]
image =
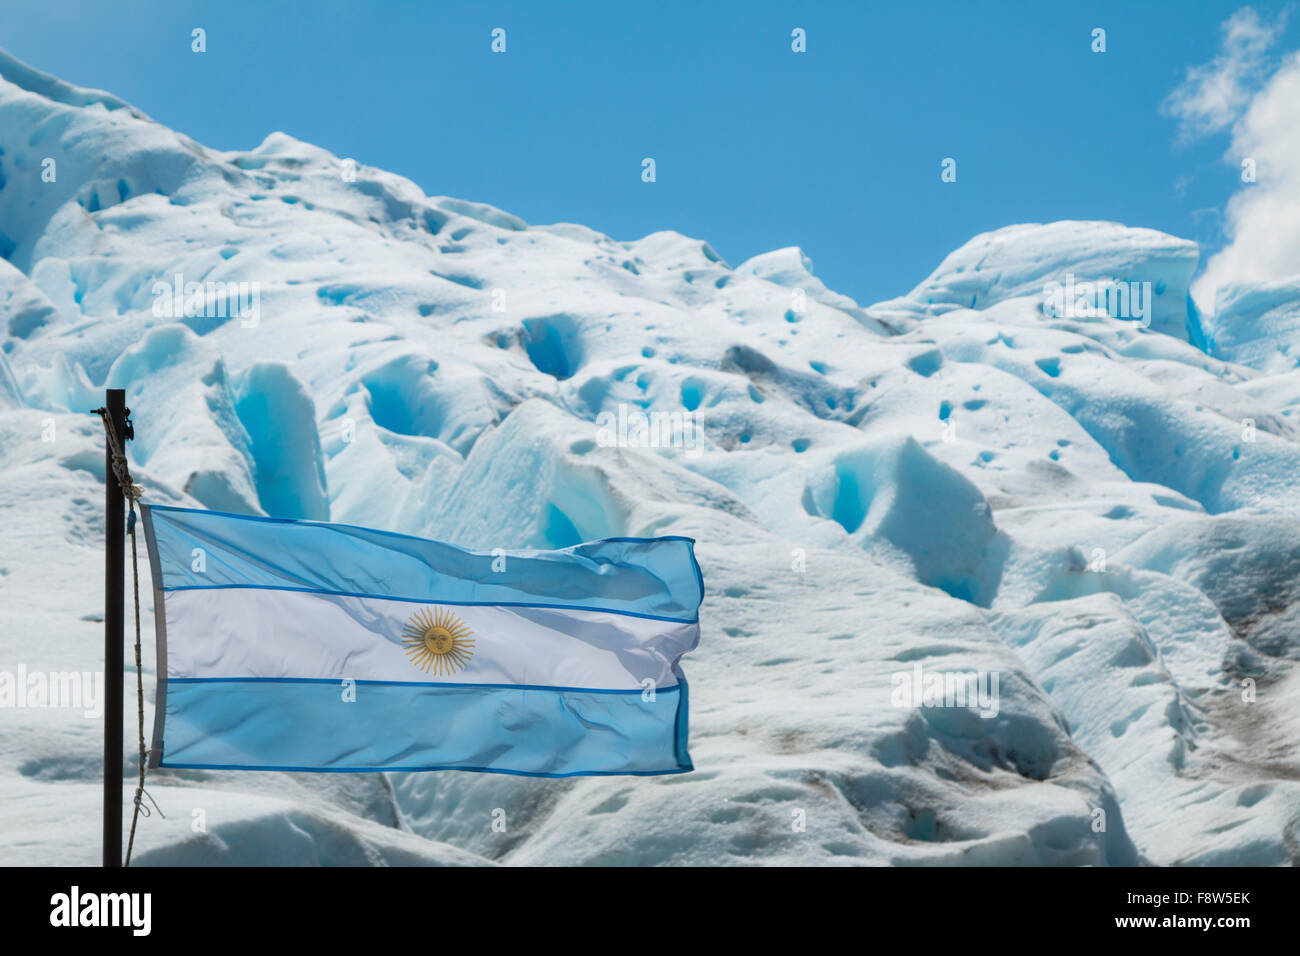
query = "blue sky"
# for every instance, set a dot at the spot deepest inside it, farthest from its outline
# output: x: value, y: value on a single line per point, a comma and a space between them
x: 836, y: 150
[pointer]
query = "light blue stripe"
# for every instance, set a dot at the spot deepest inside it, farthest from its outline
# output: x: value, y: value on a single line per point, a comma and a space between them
x: 307, y: 725
x: 515, y: 773
x: 425, y: 600
x: 648, y: 577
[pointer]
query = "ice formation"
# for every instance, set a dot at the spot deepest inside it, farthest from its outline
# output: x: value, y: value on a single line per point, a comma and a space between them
x: 1101, y: 511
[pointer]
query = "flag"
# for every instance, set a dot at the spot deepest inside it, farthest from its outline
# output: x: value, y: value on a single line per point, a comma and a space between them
x: 304, y: 645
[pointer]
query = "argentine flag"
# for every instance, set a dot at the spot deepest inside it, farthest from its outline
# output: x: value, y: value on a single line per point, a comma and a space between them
x: 301, y: 645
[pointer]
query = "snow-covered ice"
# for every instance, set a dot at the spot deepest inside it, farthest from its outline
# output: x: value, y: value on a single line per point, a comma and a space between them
x: 1103, y: 514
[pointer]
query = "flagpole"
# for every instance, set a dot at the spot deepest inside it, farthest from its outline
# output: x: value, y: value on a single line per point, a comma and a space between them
x: 114, y: 581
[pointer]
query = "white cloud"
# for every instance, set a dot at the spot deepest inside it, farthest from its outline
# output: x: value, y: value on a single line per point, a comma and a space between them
x: 1263, y: 218
x: 1258, y: 98
x: 1213, y: 96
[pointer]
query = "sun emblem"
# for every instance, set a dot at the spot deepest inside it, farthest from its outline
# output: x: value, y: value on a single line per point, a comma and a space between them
x: 438, y: 640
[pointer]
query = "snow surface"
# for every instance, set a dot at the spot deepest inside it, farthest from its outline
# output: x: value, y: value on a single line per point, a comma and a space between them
x: 1104, y: 515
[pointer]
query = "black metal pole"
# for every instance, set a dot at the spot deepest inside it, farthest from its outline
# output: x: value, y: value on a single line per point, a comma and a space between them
x: 114, y: 581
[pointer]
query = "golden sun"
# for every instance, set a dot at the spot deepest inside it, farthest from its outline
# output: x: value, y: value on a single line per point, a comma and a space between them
x: 438, y: 640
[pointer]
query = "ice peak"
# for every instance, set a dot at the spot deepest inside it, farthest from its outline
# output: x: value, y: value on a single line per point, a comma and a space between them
x: 39, y: 83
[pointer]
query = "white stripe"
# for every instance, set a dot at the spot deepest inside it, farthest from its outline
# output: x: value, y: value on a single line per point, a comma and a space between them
x: 238, y: 632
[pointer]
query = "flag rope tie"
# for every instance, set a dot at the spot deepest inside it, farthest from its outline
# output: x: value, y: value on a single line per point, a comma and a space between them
x: 132, y: 492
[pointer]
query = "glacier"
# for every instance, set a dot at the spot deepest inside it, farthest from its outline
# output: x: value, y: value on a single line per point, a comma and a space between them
x: 1101, y: 512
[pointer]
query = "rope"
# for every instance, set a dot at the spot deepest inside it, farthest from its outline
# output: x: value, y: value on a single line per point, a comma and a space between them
x: 132, y: 492
x: 130, y: 489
